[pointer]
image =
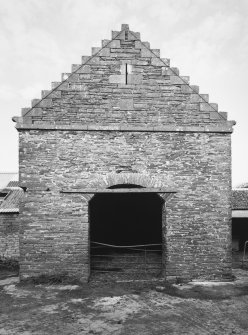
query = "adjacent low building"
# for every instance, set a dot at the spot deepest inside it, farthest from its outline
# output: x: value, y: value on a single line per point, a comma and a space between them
x: 10, y: 198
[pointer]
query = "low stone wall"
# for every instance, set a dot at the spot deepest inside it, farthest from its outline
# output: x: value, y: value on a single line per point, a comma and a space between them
x: 9, y: 236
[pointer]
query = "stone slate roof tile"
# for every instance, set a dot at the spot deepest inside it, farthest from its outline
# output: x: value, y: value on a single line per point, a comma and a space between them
x: 13, y: 183
x: 5, y: 177
x: 10, y: 203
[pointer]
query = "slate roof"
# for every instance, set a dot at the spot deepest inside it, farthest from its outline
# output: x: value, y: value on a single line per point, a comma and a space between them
x: 240, y: 198
x: 13, y: 183
x: 6, y: 177
x: 10, y: 203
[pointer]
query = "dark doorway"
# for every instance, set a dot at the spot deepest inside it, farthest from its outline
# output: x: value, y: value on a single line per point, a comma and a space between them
x: 240, y: 232
x: 126, y: 233
x: 239, y: 237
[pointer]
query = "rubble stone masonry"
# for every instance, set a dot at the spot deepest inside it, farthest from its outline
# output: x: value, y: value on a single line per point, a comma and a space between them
x: 9, y: 236
x: 125, y: 116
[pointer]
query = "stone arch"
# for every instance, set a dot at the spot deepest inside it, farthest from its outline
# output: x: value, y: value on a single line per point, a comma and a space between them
x: 122, y: 220
x: 111, y: 179
x: 144, y: 180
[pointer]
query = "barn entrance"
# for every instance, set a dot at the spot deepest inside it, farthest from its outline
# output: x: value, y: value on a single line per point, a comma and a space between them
x: 126, y: 234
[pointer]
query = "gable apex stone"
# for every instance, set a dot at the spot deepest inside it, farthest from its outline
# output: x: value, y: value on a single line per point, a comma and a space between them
x: 124, y: 26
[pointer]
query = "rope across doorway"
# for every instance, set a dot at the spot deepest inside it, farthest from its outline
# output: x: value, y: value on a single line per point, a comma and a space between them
x: 139, y: 260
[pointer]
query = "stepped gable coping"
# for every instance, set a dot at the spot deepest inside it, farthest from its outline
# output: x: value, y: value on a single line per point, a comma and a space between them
x: 71, y: 74
x: 186, y: 82
x: 125, y: 27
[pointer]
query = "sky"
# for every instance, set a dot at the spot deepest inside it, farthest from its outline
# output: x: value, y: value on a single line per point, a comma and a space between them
x: 205, y: 39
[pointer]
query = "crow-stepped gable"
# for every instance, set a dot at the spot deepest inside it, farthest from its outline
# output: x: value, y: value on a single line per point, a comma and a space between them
x: 125, y: 157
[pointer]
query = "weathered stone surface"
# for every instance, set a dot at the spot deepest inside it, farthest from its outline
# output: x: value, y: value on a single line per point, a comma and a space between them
x: 133, y: 36
x: 118, y: 35
x: 55, y: 84
x: 140, y: 45
x: 224, y: 115
x: 160, y: 61
x: 148, y: 52
x: 91, y: 93
x: 147, y: 127
x: 24, y: 110
x: 34, y: 102
x: 195, y: 221
x: 126, y: 104
x: 37, y: 111
x: 9, y: 236
x: 117, y: 79
x: 134, y: 79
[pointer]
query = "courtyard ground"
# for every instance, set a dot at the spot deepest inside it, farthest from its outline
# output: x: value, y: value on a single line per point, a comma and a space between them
x: 124, y: 308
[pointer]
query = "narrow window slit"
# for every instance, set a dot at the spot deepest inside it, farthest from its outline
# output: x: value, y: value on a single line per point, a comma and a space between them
x: 126, y: 73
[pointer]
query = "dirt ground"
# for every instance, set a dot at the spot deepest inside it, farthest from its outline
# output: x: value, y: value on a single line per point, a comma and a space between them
x: 124, y: 308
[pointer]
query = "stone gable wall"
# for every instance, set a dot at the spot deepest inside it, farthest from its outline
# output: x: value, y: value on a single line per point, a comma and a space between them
x: 55, y: 226
x: 125, y: 114
x: 124, y: 83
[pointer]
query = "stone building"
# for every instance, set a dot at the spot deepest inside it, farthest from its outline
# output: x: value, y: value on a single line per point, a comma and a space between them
x: 10, y: 197
x: 239, y: 217
x: 125, y: 152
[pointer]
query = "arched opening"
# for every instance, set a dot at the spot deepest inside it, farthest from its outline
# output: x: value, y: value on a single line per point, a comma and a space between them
x: 126, y: 233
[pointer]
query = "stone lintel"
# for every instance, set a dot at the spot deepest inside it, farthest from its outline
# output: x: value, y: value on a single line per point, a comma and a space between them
x: 119, y: 190
x: 226, y: 127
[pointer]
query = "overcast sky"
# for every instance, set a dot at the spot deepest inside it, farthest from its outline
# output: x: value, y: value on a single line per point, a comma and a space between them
x: 205, y: 39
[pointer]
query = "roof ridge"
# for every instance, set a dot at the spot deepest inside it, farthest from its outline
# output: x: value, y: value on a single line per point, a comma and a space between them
x: 63, y: 81
x: 174, y: 72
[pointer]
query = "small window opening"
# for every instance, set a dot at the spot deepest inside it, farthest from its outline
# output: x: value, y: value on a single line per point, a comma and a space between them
x: 126, y: 35
x: 126, y: 73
